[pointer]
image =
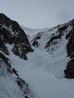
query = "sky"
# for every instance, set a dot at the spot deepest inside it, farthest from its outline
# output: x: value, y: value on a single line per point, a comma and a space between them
x: 38, y: 13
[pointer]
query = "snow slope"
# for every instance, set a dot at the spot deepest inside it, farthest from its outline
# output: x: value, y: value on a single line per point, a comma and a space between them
x: 9, y: 88
x: 44, y: 71
x: 44, y: 68
x: 8, y: 83
x: 43, y: 82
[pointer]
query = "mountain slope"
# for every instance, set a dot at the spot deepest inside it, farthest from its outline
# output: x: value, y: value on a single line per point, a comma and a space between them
x: 52, y: 62
x: 59, y: 43
x: 11, y: 84
x: 12, y: 33
x: 45, y: 61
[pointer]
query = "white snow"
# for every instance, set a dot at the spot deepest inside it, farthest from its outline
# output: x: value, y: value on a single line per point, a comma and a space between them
x: 31, y: 32
x: 43, y: 82
x: 9, y: 88
x: 8, y: 85
x: 44, y: 72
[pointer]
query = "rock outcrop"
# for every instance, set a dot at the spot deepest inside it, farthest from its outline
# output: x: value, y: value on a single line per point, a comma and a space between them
x: 69, y: 72
x: 12, y: 33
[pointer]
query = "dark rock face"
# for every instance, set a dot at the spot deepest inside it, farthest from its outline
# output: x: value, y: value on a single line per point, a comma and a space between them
x: 69, y: 35
x: 22, y: 85
x: 54, y: 37
x: 52, y: 40
x: 69, y: 71
x: 70, y: 45
x: 3, y: 47
x: 20, y: 51
x: 36, y: 38
x: 14, y: 71
x: 12, y: 33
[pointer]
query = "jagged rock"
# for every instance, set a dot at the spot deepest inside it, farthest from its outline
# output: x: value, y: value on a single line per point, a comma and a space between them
x: 69, y: 71
x: 23, y: 56
x: 12, y: 33
x: 20, y: 51
x: 23, y: 85
x: 72, y: 56
x: 15, y: 50
x: 14, y: 71
x: 36, y: 38
x: 26, y: 97
x: 70, y: 45
x: 6, y: 35
x: 57, y: 35
x: 3, y: 47
x: 69, y: 34
x: 52, y: 40
x: 63, y: 28
x: 35, y: 44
